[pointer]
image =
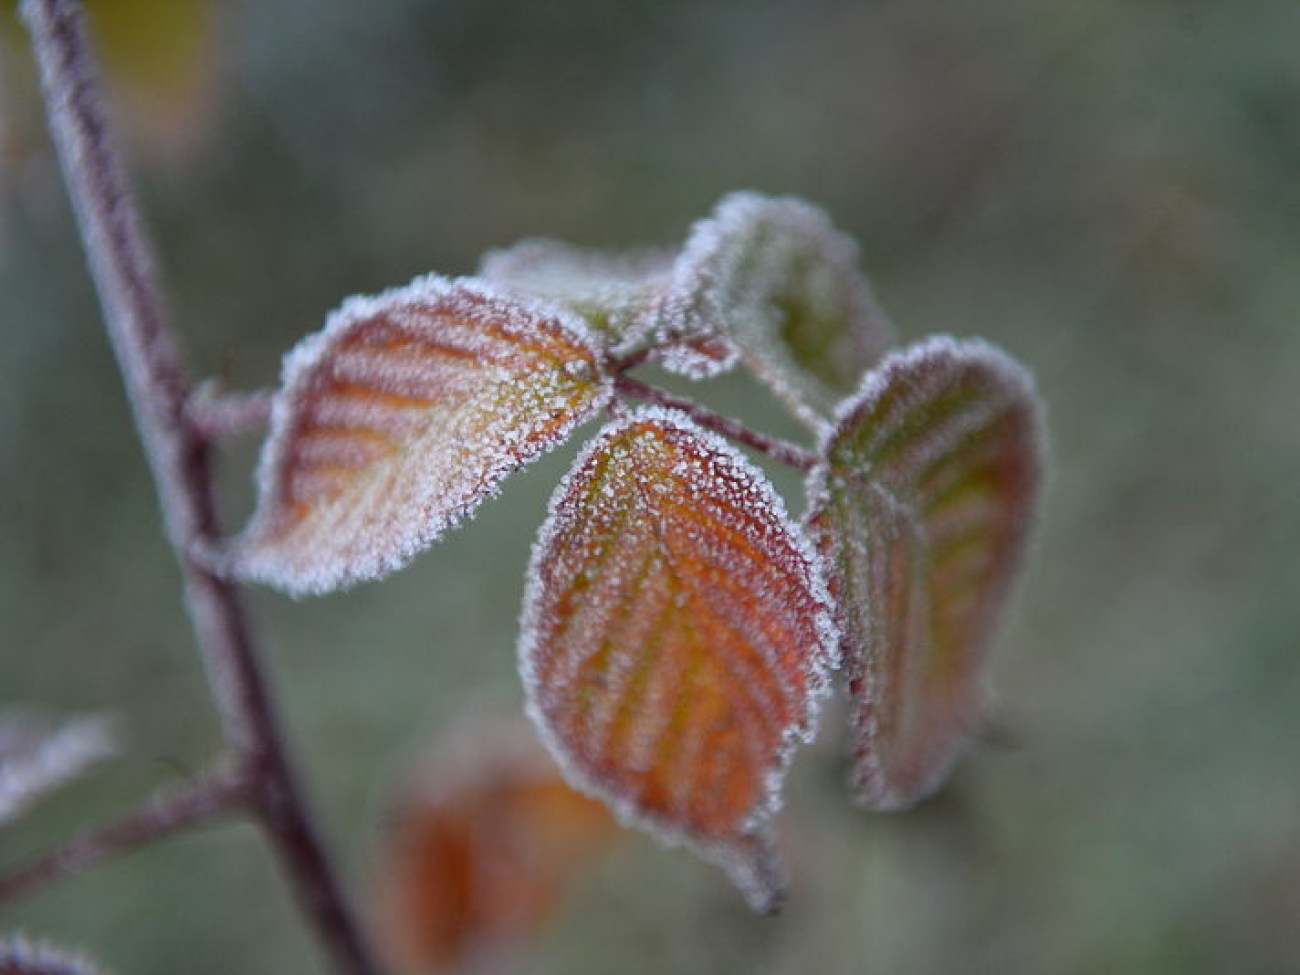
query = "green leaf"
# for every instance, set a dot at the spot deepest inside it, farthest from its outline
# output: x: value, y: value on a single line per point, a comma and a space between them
x: 774, y: 277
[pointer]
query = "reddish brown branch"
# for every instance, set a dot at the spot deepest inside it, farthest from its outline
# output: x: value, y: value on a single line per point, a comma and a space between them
x: 779, y: 450
x: 177, y: 809
x: 630, y: 361
x: 178, y: 454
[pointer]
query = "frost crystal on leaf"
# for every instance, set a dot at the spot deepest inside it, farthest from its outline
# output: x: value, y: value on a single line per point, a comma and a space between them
x: 615, y: 293
x: 402, y: 416
x: 923, y: 509
x: 677, y: 635
x: 774, y: 277
x: 38, y: 756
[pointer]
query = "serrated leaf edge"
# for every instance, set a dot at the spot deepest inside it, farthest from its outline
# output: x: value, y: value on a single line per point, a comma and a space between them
x: 869, y: 790
x: 752, y: 862
x: 732, y: 214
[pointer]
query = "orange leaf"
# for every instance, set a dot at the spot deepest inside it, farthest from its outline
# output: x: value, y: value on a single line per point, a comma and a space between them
x: 400, y: 418
x: 923, y: 511
x: 481, y: 852
x: 676, y: 637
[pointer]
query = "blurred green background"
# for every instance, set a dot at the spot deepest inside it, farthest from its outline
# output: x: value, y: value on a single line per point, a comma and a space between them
x: 1108, y: 189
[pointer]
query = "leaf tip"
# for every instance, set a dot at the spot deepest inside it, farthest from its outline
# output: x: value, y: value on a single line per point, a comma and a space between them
x: 754, y: 865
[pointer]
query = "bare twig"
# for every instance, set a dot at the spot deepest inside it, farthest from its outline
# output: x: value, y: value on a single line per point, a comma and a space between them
x: 178, y: 454
x: 779, y: 450
x: 176, y: 809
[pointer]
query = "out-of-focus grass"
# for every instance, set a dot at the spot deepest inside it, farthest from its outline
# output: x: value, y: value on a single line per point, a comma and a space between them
x: 1107, y: 189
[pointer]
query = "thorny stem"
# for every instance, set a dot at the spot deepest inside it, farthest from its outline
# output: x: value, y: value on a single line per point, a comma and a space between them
x: 192, y: 804
x: 178, y: 455
x: 779, y: 450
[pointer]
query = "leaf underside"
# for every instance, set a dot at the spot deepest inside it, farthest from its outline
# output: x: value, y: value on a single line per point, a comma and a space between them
x: 676, y: 637
x: 400, y: 418
x: 771, y: 277
x: 922, y: 512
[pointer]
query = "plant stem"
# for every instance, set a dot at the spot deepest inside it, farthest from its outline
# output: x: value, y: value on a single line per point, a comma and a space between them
x: 629, y: 361
x: 217, y: 414
x: 178, y: 455
x: 779, y: 450
x: 176, y: 809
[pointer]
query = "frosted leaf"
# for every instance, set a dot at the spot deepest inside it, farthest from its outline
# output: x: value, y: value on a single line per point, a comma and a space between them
x: 676, y: 637
x: 616, y: 293
x: 697, y: 357
x: 484, y: 844
x: 923, y: 511
x: 401, y: 417
x: 39, y: 755
x: 19, y: 956
x: 776, y: 278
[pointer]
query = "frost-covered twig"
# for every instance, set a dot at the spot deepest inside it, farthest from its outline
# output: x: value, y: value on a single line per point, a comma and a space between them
x: 218, y: 414
x: 779, y: 450
x: 171, y: 811
x: 178, y: 454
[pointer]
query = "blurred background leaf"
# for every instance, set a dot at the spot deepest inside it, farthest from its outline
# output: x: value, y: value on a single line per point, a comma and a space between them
x: 1106, y: 189
x: 159, y: 58
x: 481, y: 848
